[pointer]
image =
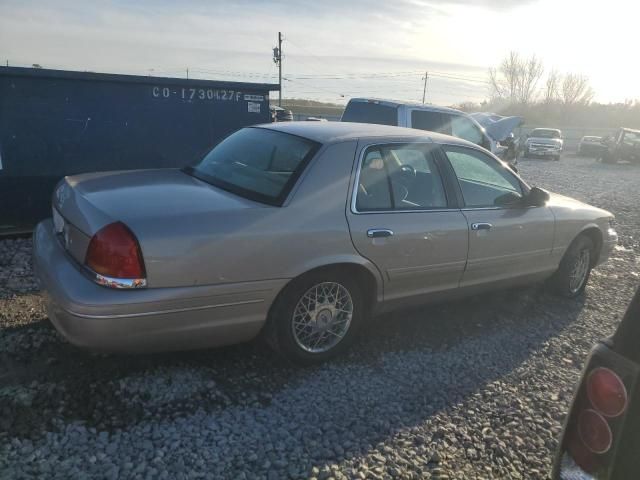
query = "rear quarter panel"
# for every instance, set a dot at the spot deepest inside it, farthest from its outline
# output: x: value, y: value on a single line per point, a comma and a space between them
x: 256, y: 244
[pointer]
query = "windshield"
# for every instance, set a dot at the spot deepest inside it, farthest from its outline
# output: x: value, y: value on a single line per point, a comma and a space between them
x: 541, y: 133
x: 256, y: 163
x: 369, y: 112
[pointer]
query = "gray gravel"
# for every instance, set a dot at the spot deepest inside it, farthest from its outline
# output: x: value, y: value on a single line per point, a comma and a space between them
x: 475, y: 389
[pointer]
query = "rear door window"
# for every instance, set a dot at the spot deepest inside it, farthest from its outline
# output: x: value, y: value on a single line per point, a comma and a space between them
x: 400, y: 177
x: 431, y: 121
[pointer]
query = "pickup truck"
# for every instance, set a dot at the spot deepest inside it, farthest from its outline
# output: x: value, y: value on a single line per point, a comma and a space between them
x: 430, y: 117
x: 544, y: 142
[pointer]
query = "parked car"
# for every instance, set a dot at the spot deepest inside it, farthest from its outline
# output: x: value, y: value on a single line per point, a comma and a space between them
x: 279, y: 114
x: 601, y: 438
x: 591, y: 146
x: 419, y: 116
x: 544, y: 142
x: 624, y: 145
x: 301, y: 230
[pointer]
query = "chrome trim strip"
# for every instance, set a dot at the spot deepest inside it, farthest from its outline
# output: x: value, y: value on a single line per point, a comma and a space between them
x: 433, y: 210
x: 437, y: 268
x: 162, y: 312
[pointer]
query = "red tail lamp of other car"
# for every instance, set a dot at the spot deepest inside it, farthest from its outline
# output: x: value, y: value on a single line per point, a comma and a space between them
x: 606, y: 392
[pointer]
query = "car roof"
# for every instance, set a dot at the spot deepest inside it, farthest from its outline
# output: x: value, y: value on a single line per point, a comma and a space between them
x: 397, y: 103
x: 333, y: 132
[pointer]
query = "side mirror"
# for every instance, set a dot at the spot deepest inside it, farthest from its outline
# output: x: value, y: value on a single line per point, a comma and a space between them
x: 510, y: 199
x: 537, y: 197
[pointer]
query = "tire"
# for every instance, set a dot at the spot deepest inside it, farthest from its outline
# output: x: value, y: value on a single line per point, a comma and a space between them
x: 295, y: 301
x: 563, y: 281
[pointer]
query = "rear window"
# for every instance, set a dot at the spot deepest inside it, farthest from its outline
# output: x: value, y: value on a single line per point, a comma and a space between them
x: 369, y: 112
x: 256, y: 163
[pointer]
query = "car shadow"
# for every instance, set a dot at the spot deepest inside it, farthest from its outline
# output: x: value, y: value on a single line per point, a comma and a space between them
x: 408, y: 355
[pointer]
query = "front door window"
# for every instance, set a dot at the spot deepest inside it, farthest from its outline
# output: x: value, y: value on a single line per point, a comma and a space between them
x: 484, y: 181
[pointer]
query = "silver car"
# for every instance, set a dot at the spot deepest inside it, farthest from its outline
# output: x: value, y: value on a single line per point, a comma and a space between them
x: 301, y: 231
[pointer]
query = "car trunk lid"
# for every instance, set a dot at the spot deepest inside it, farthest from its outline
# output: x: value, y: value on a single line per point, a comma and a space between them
x: 83, y: 204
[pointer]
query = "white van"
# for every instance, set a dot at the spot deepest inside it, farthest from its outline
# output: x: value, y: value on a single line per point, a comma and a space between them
x: 423, y: 117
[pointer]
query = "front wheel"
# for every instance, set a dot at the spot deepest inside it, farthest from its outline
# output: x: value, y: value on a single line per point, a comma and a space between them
x: 573, y: 273
x: 316, y: 317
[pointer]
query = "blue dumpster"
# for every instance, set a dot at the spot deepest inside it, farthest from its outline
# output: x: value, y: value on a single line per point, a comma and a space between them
x: 55, y: 123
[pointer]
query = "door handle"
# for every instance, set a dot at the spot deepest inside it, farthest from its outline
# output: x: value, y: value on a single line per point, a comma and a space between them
x: 379, y: 233
x: 481, y: 226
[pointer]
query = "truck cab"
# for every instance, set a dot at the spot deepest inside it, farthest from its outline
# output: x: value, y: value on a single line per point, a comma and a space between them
x: 423, y: 117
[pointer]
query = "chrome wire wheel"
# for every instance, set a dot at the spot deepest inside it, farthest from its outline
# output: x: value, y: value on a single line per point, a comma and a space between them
x: 580, y: 271
x: 322, y: 317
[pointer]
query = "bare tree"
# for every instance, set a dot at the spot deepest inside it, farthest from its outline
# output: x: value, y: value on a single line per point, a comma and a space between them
x: 551, y: 88
x: 504, y: 79
x: 531, y: 71
x: 576, y: 90
x: 516, y: 78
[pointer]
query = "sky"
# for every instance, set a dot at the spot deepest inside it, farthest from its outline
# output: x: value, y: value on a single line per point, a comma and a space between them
x: 333, y: 49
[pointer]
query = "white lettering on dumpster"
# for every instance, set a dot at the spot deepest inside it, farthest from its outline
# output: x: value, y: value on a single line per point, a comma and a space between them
x: 202, y: 94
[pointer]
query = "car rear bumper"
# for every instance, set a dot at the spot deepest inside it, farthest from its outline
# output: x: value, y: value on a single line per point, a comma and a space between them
x: 150, y: 319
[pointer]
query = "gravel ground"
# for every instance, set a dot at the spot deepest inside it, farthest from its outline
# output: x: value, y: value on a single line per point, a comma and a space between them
x: 475, y: 389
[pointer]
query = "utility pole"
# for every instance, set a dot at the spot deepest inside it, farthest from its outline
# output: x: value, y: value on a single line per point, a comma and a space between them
x: 277, y: 59
x: 424, y: 91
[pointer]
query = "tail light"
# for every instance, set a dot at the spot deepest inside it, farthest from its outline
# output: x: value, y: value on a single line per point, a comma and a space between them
x: 592, y: 428
x: 594, y: 431
x: 606, y: 392
x: 114, y: 256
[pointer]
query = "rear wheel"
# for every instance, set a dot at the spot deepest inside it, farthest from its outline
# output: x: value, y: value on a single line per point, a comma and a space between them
x: 316, y: 317
x: 575, y: 268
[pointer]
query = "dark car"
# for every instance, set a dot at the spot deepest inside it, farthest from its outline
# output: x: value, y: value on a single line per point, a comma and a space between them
x: 624, y: 145
x: 601, y: 438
